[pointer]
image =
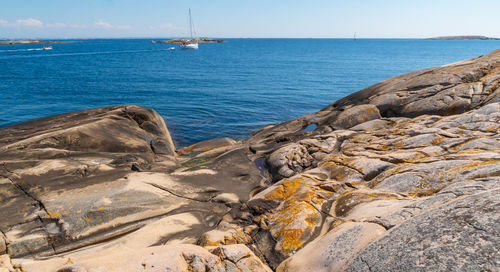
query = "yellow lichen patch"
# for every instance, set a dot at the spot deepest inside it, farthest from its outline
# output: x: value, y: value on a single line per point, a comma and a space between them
x: 370, y: 109
x: 87, y: 219
x: 101, y: 208
x: 418, y: 192
x: 417, y: 158
x: 491, y: 129
x: 55, y: 214
x: 287, y: 188
x: 437, y: 140
x: 236, y: 235
x: 383, y: 147
x: 293, y: 224
x: 472, y: 151
x: 210, y: 243
x: 291, y: 239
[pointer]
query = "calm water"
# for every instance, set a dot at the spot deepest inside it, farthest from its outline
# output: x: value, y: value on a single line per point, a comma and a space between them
x: 220, y: 90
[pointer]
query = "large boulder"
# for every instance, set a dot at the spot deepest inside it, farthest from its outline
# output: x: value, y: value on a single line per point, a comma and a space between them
x: 77, y: 179
x: 461, y: 236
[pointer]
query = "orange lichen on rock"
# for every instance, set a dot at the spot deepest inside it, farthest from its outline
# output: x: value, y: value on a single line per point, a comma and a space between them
x: 285, y: 189
x: 301, y: 189
x: 294, y: 224
x: 291, y: 239
x: 218, y: 237
x: 437, y: 140
x: 295, y: 219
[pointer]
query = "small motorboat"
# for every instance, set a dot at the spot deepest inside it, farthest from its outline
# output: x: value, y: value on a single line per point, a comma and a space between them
x: 47, y: 48
x: 171, y: 48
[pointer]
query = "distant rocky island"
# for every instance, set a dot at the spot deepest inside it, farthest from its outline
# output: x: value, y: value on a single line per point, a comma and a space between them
x: 483, y: 38
x: 199, y: 40
x: 31, y: 42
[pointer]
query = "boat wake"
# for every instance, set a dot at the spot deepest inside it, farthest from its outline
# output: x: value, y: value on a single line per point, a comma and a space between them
x: 71, y: 54
x: 21, y: 50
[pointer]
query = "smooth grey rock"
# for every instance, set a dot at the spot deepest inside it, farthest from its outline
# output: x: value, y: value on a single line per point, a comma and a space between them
x: 401, y: 182
x: 372, y: 125
x: 334, y: 250
x: 481, y: 143
x: 356, y: 115
x: 462, y: 235
x: 369, y: 167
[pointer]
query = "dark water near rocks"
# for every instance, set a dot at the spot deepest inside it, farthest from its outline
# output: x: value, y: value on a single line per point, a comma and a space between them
x: 220, y: 90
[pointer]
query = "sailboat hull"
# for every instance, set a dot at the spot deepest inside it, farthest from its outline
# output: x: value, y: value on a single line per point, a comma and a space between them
x: 188, y: 45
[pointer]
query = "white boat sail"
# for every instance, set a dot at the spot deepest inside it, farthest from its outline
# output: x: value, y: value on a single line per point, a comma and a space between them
x: 190, y: 44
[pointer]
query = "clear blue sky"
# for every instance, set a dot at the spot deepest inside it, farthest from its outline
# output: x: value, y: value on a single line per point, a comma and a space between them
x: 248, y: 18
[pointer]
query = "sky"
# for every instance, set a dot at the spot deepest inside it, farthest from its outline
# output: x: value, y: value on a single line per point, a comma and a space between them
x: 67, y: 19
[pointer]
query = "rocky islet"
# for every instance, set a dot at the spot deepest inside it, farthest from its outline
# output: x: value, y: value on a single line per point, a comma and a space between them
x: 403, y: 175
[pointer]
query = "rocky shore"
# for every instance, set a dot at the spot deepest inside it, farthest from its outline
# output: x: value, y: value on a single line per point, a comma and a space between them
x: 401, y: 176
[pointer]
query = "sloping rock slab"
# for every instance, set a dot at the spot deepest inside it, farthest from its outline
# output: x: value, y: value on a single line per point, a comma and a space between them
x: 460, y: 236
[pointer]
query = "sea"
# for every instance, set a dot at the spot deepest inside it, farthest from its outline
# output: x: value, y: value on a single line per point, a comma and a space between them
x: 221, y: 90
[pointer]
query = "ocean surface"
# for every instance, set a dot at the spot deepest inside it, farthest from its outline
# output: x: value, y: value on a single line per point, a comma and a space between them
x: 228, y: 89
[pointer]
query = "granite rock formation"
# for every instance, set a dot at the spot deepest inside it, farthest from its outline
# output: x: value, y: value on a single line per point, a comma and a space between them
x: 403, y: 175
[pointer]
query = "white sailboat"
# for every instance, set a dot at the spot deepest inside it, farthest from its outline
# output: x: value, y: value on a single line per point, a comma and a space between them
x: 190, y: 44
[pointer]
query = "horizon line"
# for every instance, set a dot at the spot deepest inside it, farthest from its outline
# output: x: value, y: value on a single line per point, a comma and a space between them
x: 176, y: 37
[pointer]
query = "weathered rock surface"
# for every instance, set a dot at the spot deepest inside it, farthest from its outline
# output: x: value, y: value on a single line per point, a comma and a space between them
x: 110, y: 175
x: 335, y: 249
x: 461, y: 236
x: 175, y: 258
x: 403, y: 175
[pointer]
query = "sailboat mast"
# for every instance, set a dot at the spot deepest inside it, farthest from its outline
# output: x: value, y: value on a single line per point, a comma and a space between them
x: 190, y: 24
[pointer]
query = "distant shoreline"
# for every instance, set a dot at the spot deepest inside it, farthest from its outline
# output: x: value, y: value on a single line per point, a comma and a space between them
x: 476, y: 38
x: 32, y: 42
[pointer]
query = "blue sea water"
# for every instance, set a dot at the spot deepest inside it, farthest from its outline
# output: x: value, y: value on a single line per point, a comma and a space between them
x: 219, y: 90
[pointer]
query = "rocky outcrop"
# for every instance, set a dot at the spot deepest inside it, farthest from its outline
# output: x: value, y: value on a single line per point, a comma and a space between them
x: 196, y: 40
x: 403, y: 175
x: 80, y: 179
